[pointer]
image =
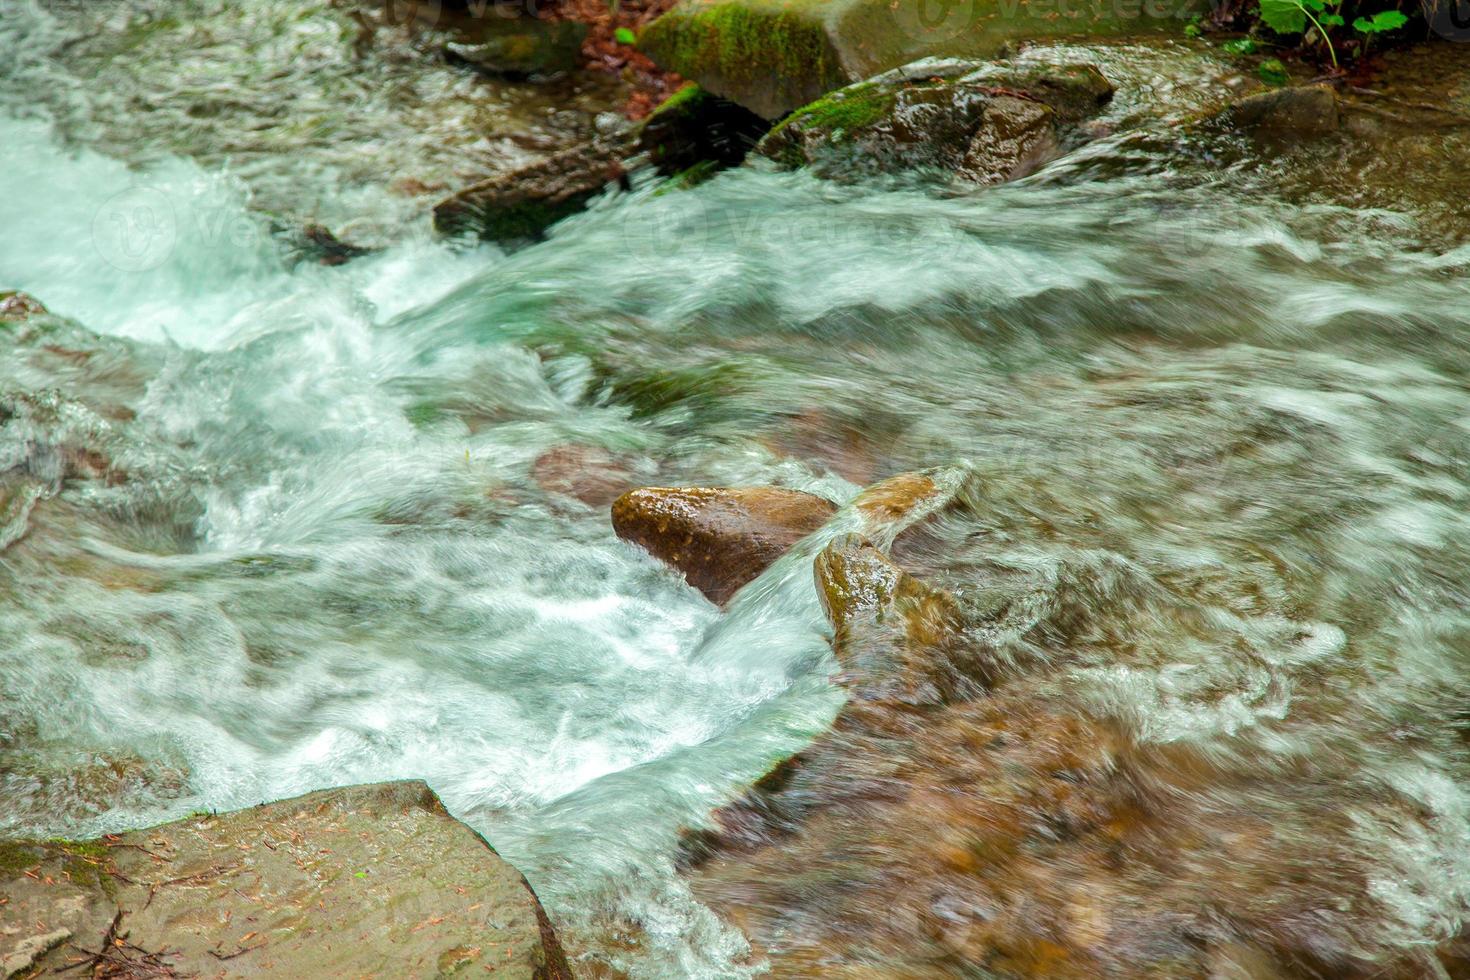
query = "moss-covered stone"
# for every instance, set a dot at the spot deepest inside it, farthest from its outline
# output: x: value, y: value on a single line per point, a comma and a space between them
x: 985, y: 123
x: 773, y: 56
x: 766, y: 55
x: 694, y: 133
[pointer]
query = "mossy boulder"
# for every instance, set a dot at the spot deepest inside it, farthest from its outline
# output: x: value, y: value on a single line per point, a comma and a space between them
x: 773, y: 56
x: 362, y: 881
x: 983, y: 123
x: 695, y: 129
x: 720, y: 537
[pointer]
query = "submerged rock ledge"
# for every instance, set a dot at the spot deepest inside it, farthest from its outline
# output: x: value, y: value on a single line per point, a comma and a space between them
x: 375, y: 880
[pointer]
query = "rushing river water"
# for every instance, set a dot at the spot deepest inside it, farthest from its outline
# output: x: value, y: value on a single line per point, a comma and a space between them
x: 272, y: 527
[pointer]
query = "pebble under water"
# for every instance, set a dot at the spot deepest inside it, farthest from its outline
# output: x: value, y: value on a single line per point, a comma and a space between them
x: 271, y: 527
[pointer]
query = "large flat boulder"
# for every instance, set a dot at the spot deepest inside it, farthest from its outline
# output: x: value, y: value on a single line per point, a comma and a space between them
x: 773, y: 56
x: 374, y: 880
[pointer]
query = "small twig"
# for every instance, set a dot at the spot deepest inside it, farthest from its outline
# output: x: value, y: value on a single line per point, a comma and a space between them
x: 239, y: 952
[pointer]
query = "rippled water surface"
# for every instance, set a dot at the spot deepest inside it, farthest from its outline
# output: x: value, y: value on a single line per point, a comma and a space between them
x: 269, y: 527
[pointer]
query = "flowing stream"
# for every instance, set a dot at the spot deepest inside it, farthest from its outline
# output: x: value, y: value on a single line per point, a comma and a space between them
x: 268, y: 527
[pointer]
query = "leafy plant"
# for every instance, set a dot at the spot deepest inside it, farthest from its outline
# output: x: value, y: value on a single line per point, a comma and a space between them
x: 1241, y: 45
x: 1384, y: 20
x: 624, y: 35
x: 1293, y: 16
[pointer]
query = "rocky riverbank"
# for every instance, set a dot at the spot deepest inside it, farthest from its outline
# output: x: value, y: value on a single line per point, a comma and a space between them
x: 360, y: 881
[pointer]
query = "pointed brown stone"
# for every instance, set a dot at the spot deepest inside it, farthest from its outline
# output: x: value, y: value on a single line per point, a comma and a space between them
x: 719, y: 537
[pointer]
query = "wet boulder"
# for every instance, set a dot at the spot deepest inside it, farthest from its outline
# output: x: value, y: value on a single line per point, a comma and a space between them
x: 720, y: 538
x: 982, y: 123
x: 372, y: 880
x: 694, y: 132
x: 897, y: 637
x: 1288, y: 113
x: 773, y: 56
x: 517, y: 207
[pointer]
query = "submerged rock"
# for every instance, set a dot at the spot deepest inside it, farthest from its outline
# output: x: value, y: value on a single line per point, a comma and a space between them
x: 720, y: 538
x: 520, y: 47
x: 16, y: 305
x: 979, y: 122
x: 590, y: 474
x: 518, y: 207
x: 897, y: 638
x: 691, y: 134
x: 372, y: 880
x: 1399, y: 133
x: 773, y: 56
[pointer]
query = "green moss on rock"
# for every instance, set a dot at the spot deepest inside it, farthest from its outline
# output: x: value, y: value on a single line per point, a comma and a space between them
x: 844, y: 111
x: 766, y: 56
x: 773, y: 56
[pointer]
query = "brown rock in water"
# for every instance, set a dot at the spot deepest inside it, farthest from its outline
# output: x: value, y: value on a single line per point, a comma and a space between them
x: 362, y: 881
x: 719, y: 537
x: 896, y: 497
x: 518, y: 207
x: 897, y: 638
x: 968, y: 814
x: 16, y: 305
x: 1308, y: 110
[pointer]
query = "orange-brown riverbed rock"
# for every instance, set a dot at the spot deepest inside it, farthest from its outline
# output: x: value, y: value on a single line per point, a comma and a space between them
x: 969, y: 814
x: 719, y: 537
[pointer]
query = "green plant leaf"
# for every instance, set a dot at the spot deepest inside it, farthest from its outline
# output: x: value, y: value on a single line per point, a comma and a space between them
x: 1241, y: 45
x: 1331, y: 20
x: 1384, y: 20
x: 625, y: 36
x: 1284, y: 16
